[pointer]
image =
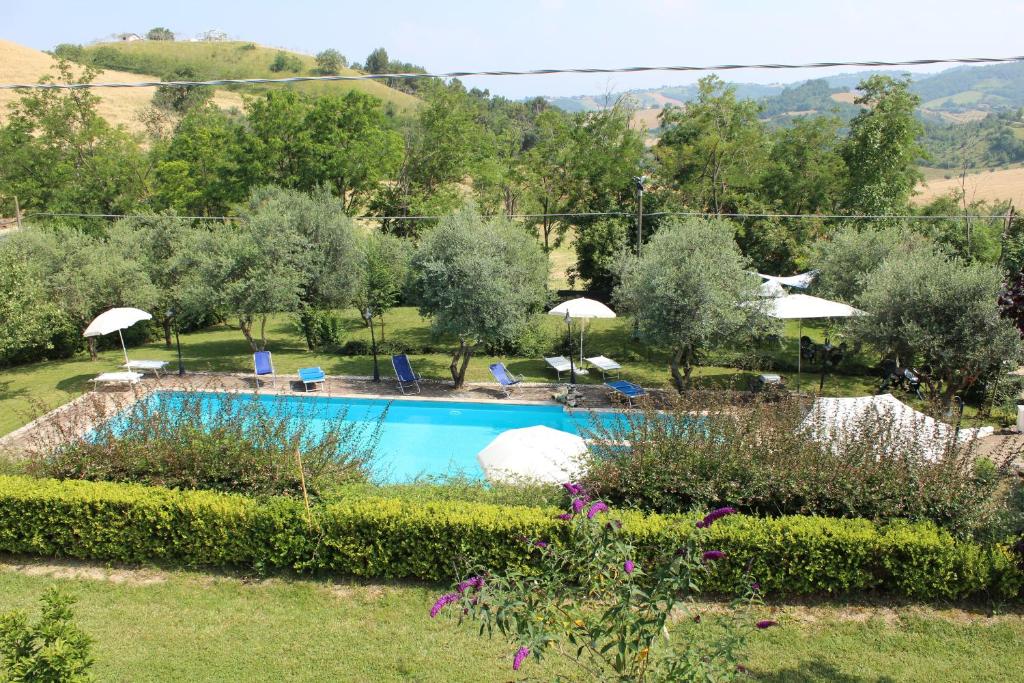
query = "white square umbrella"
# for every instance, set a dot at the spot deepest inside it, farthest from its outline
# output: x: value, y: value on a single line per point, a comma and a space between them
x: 582, y: 308
x: 536, y: 453
x: 115, y: 320
x: 801, y: 306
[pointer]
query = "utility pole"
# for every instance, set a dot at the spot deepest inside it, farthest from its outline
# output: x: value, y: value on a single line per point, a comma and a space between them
x: 639, y: 182
x: 1007, y: 225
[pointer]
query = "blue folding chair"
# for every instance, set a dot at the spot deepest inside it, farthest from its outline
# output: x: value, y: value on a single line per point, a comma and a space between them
x: 628, y: 390
x: 310, y: 377
x: 504, y: 377
x: 407, y: 379
x: 263, y: 365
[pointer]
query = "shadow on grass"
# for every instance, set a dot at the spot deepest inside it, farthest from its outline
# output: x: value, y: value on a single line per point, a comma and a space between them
x: 6, y: 392
x: 75, y: 383
x: 812, y: 671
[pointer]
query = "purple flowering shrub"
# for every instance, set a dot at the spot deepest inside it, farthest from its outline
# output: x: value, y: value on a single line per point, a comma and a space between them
x: 590, y: 602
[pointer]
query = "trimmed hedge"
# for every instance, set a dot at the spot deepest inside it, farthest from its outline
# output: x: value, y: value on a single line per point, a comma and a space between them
x: 391, y: 538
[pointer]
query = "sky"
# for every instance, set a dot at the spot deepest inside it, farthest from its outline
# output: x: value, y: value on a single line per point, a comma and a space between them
x: 531, y: 34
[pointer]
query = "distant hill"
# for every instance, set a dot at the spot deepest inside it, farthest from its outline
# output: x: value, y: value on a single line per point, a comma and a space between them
x: 956, y: 95
x: 212, y: 60
x: 20, y: 64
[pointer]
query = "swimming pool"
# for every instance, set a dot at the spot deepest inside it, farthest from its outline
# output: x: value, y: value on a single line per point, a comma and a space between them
x: 418, y: 438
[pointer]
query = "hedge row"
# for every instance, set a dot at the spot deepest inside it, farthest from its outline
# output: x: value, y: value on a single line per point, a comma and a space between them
x: 390, y: 538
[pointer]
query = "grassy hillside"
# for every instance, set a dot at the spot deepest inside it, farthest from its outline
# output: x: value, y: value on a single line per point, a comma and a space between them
x: 20, y: 64
x: 229, y: 59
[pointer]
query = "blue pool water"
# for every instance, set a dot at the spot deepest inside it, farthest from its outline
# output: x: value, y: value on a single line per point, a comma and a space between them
x: 418, y: 438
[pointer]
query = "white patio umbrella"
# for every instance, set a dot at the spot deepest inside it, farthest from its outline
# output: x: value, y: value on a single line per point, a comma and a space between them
x: 115, y: 320
x: 804, y: 306
x: 537, y: 453
x: 582, y: 308
x: 800, y: 280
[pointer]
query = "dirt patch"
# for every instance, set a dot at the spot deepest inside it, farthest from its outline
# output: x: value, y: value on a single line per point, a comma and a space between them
x: 86, y: 572
x: 1004, y: 183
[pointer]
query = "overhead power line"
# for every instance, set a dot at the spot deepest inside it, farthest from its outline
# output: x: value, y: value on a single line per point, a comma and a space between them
x: 532, y: 72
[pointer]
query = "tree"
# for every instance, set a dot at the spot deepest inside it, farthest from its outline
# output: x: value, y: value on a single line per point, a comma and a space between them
x: 285, y: 62
x: 479, y: 280
x: 249, y: 269
x: 160, y: 33
x: 30, y: 318
x: 162, y: 245
x: 330, y: 62
x: 53, y: 648
x: 852, y: 253
x: 442, y: 147
x: 690, y: 290
x: 383, y: 272
x: 377, y: 62
x: 200, y: 170
x: 881, y: 150
x: 180, y: 99
x: 546, y: 168
x: 806, y: 173
x: 58, y: 154
x: 714, y: 150
x: 941, y: 314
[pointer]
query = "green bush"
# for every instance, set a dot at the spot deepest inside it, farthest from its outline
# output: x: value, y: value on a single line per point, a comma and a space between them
x: 762, y: 459
x: 245, y: 446
x: 51, y: 649
x: 392, y: 538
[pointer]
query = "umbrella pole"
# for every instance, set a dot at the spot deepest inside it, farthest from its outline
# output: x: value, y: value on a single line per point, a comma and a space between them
x: 799, y: 353
x: 123, y: 347
x: 582, y: 323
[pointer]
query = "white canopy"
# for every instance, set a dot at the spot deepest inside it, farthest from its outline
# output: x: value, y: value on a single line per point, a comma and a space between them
x: 800, y: 281
x: 115, y: 320
x: 770, y: 288
x: 800, y: 306
x: 539, y: 453
x: 582, y: 308
x: 833, y: 419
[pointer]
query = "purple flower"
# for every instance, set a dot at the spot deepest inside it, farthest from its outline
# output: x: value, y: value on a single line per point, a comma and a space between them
x: 446, y: 599
x: 521, y: 654
x: 573, y: 489
x: 713, y: 555
x: 629, y: 566
x: 540, y: 544
x: 565, y: 517
x: 755, y: 586
x: 595, y: 508
x: 477, y: 582
x: 767, y: 623
x: 710, y: 518
x: 578, y: 504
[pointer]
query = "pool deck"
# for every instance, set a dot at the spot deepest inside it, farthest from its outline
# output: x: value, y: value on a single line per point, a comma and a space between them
x: 88, y: 410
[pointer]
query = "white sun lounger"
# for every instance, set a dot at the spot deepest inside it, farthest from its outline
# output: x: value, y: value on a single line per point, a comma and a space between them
x: 142, y: 365
x: 606, y: 365
x: 116, y: 378
x: 559, y: 364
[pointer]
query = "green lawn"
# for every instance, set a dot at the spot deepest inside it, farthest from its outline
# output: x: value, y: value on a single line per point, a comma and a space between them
x: 185, y: 626
x: 30, y: 390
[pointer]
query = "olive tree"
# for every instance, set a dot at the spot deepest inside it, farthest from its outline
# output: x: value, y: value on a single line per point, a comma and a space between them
x: 926, y: 308
x: 690, y: 290
x: 845, y: 259
x: 479, y: 280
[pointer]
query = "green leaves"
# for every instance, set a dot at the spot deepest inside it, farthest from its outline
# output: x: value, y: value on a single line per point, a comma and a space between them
x: 50, y: 649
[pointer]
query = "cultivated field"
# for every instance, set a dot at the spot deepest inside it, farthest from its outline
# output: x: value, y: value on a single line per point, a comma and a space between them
x: 20, y: 64
x: 1004, y: 183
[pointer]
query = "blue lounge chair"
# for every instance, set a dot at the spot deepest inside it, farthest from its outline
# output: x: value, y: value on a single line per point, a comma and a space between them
x: 407, y: 379
x: 310, y: 377
x: 626, y: 389
x: 263, y: 365
x: 504, y: 377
